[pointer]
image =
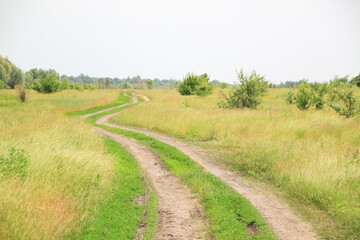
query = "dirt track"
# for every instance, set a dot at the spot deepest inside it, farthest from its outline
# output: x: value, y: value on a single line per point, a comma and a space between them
x: 284, y: 223
x: 180, y: 216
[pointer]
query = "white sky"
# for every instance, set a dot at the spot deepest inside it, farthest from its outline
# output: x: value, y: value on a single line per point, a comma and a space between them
x: 281, y: 39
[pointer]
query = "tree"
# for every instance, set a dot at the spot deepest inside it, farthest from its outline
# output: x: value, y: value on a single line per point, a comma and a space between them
x: 356, y: 81
x: 245, y: 94
x: 303, y: 96
x: 16, y: 77
x: 149, y: 83
x: 3, y: 74
x: 317, y: 95
x: 49, y: 84
x: 195, y: 85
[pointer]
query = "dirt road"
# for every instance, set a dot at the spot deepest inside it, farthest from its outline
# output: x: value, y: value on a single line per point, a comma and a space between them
x: 283, y: 222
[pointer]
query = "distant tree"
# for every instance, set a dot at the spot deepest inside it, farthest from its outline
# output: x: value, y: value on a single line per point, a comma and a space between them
x: 195, y: 85
x: 149, y: 83
x: 245, y: 94
x: 49, y: 84
x: 65, y: 84
x: 3, y: 74
x: 2, y: 84
x: 16, y: 77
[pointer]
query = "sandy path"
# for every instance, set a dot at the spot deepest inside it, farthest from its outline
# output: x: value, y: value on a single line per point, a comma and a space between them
x: 285, y: 224
x: 180, y: 216
x: 134, y: 100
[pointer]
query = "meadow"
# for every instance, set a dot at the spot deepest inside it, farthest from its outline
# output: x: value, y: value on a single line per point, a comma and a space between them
x: 311, y: 158
x: 55, y: 170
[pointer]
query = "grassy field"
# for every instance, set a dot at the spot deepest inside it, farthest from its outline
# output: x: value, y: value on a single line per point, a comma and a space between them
x: 311, y: 156
x: 55, y: 170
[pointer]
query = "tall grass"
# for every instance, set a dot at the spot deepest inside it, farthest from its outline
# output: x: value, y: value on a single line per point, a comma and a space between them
x: 67, y: 172
x: 312, y: 155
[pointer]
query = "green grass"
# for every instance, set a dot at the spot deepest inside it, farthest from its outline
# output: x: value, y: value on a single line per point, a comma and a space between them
x: 228, y: 212
x: 119, y: 215
x: 120, y: 100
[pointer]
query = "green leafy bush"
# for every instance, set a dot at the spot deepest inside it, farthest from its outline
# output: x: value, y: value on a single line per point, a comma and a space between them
x: 48, y: 84
x: 303, y: 97
x: 15, y: 164
x: 318, y: 95
x: 290, y: 97
x: 343, y: 101
x: 195, y: 85
x: 245, y: 94
x: 356, y: 81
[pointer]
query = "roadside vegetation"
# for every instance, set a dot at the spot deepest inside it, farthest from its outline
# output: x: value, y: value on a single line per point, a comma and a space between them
x: 55, y: 171
x: 120, y: 213
x: 312, y: 156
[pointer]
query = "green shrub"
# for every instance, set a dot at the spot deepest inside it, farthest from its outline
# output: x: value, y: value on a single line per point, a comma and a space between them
x: 2, y: 84
x: 356, y: 81
x: 290, y: 97
x: 343, y: 101
x: 245, y: 94
x: 318, y: 95
x: 303, y: 97
x: 14, y: 164
x: 195, y: 85
x: 48, y: 84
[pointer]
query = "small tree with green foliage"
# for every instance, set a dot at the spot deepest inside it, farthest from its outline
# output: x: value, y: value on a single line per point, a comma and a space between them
x: 343, y: 101
x: 49, y: 84
x: 245, y: 94
x: 195, y: 85
x: 150, y: 84
x: 304, y: 96
x: 290, y: 97
x: 318, y: 95
x: 356, y: 81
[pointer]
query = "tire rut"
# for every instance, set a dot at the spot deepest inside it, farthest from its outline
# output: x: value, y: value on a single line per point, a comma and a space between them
x: 179, y: 216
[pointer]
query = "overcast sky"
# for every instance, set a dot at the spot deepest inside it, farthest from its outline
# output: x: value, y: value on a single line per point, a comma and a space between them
x: 281, y: 39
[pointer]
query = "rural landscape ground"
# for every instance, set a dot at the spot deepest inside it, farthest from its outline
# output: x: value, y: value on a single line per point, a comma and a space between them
x: 153, y: 164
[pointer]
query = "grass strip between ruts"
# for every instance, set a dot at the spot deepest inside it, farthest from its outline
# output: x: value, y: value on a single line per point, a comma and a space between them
x: 230, y: 215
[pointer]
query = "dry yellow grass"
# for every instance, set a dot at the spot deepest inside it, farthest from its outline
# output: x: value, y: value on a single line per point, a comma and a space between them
x: 68, y: 170
x: 312, y: 155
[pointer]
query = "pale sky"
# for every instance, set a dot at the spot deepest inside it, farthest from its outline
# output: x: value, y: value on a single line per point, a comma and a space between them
x: 281, y: 39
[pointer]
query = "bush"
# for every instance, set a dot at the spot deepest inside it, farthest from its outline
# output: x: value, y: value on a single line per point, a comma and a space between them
x: 21, y: 93
x: 303, y: 97
x: 245, y: 94
x: 2, y: 84
x: 356, y: 81
x: 195, y: 85
x: 318, y: 92
x: 290, y: 97
x: 48, y: 84
x: 343, y: 100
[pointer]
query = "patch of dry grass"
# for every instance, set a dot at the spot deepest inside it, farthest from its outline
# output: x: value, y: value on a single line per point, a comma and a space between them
x: 68, y: 169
